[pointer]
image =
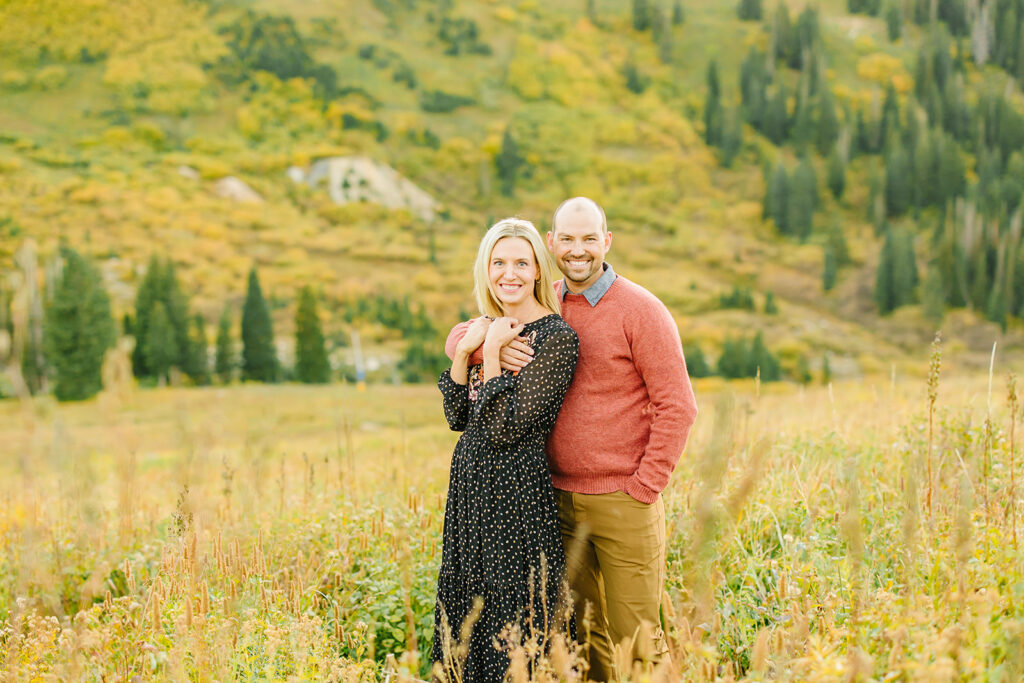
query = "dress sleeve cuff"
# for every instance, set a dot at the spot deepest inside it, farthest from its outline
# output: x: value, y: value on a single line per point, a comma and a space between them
x: 492, y: 388
x: 447, y: 385
x: 634, y: 489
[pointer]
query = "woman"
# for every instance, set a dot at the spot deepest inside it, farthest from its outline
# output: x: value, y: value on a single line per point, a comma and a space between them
x: 501, y: 537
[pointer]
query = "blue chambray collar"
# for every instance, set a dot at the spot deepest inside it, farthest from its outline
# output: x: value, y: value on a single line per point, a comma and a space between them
x: 596, y: 291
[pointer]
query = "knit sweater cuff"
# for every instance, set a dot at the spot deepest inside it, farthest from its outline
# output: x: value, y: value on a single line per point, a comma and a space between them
x: 638, y: 491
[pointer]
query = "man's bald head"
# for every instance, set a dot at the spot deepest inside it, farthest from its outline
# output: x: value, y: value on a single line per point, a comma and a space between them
x: 579, y: 207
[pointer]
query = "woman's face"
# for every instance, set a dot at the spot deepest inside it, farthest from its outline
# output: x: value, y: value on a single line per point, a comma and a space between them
x: 512, y: 271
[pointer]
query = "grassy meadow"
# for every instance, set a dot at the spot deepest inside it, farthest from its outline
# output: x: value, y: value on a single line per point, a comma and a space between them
x: 292, y: 533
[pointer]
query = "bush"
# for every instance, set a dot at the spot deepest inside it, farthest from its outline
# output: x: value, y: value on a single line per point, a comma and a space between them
x: 739, y: 297
x: 441, y: 102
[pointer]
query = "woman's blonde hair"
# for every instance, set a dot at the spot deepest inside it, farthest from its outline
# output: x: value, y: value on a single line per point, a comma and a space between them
x: 543, y: 288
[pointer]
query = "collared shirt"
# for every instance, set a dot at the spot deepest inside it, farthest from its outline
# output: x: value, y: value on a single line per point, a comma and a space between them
x: 594, y: 292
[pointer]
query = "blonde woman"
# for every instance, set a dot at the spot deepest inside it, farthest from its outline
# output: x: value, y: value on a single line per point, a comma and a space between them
x: 500, y: 522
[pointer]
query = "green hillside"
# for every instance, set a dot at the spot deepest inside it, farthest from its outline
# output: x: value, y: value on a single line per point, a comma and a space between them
x: 118, y: 118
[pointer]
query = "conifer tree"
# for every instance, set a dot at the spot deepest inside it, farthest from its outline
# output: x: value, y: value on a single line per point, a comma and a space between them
x: 508, y: 163
x: 770, y: 307
x: 802, y: 200
x: 678, y: 13
x: 827, y: 131
x: 713, y: 124
x: 734, y: 359
x: 78, y: 329
x: 197, y: 364
x: 753, y: 88
x: 933, y: 300
x: 776, y: 200
x: 896, y: 277
x: 835, y: 241
x: 760, y: 360
x: 826, y: 369
x: 641, y: 15
x: 311, y: 364
x: 830, y: 270
x: 160, y: 284
x: 894, y: 20
x: 749, y: 10
x: 158, y: 346
x: 836, y: 174
x: 898, y: 179
x: 662, y: 34
x: 732, y: 137
x: 696, y: 362
x: 259, y: 361
x: 776, y: 118
x: 146, y: 298
x: 225, y: 360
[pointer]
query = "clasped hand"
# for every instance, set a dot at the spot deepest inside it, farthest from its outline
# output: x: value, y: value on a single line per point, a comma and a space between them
x: 514, y: 353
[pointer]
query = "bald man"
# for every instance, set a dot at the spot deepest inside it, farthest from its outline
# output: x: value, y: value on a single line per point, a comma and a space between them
x: 621, y: 430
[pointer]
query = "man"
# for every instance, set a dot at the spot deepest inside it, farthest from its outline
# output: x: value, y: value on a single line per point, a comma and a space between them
x: 620, y: 432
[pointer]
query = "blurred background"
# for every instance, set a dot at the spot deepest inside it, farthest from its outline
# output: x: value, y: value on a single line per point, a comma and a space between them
x: 276, y: 190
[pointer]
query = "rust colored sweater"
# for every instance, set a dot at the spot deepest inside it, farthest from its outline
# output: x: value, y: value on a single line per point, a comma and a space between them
x: 627, y: 414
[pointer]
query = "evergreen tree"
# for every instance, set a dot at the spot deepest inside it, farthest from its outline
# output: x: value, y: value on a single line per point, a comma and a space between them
x: 259, y: 361
x: 696, y: 363
x: 828, y: 123
x: 830, y: 271
x: 894, y: 20
x: 890, y: 123
x: 776, y: 117
x: 802, y: 125
x: 197, y: 363
x: 732, y: 137
x: 896, y: 277
x: 749, y: 10
x: 146, y: 298
x: 678, y: 13
x: 225, y: 360
x: 158, y: 346
x: 835, y: 241
x: 508, y: 163
x: 734, y: 359
x: 753, y: 88
x: 776, y: 200
x: 898, y: 178
x: 933, y: 300
x: 826, y: 370
x: 713, y: 124
x: 760, y: 360
x: 664, y: 36
x: 803, y: 371
x: 311, y: 364
x: 783, y: 36
x: 641, y: 15
x: 635, y: 81
x: 770, y: 307
x: 802, y: 200
x: 836, y: 174
x: 160, y: 285
x: 78, y: 329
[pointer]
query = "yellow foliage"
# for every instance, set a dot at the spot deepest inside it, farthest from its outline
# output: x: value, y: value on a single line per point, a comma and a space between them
x: 14, y: 80
x: 9, y: 164
x: 506, y: 14
x: 882, y: 69
x: 50, y: 77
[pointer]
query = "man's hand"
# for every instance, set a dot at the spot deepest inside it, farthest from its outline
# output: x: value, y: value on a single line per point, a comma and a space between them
x: 475, y: 336
x: 515, y: 355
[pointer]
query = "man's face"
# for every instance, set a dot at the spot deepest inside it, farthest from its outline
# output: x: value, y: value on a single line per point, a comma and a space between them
x: 579, y: 245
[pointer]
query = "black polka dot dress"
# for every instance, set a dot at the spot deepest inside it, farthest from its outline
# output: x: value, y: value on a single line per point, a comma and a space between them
x: 501, y: 517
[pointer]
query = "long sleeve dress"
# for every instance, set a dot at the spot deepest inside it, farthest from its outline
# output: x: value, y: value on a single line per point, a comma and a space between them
x: 501, y: 518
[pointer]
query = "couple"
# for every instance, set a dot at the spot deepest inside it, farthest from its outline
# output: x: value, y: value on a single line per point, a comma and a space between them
x: 575, y: 406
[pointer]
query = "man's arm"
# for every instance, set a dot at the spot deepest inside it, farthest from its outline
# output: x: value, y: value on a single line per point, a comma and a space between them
x: 514, y: 356
x: 658, y: 356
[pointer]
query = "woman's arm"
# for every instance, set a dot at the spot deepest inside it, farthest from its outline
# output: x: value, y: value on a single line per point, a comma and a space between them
x: 510, y: 405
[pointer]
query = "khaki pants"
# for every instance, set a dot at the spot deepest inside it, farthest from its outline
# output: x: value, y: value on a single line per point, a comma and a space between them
x: 615, y: 558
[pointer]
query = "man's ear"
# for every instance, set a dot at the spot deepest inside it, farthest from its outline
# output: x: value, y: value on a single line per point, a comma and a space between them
x: 551, y: 240
x: 607, y: 241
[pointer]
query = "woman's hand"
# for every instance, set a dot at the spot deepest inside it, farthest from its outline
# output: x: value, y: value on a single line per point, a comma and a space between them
x: 475, y: 335
x: 501, y: 332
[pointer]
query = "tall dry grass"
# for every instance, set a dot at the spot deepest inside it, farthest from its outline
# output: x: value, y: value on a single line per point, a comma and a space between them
x: 273, y: 533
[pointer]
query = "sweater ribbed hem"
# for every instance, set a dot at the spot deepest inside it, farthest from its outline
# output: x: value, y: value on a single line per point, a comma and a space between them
x: 596, y: 485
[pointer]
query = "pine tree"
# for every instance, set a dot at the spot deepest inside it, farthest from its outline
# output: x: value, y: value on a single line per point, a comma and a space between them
x: 776, y: 200
x: 770, y: 307
x: 508, y: 163
x: 732, y: 137
x: 897, y: 277
x: 160, y: 284
x: 803, y: 198
x: 311, y: 364
x: 78, y: 329
x: 836, y: 174
x: 749, y: 10
x: 885, y: 287
x: 835, y: 241
x: 225, y: 360
x: 696, y: 363
x: 259, y: 361
x: 146, y: 298
x: 933, y: 299
x: 894, y: 20
x: 753, y: 84
x: 197, y: 363
x: 734, y: 359
x: 760, y: 360
x: 898, y: 180
x: 776, y: 117
x: 803, y: 371
x: 641, y: 15
x: 158, y: 346
x: 828, y: 122
x: 678, y: 13
x: 662, y: 34
x: 830, y: 270
x: 713, y: 123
